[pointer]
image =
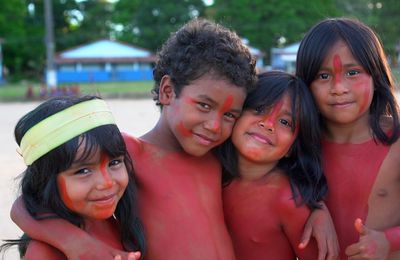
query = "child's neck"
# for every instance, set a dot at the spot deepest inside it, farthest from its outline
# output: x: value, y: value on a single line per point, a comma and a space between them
x: 357, y: 132
x: 253, y: 171
x: 161, y: 136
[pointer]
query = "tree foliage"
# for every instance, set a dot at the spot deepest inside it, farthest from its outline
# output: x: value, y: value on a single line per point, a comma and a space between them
x: 271, y: 23
x: 148, y: 23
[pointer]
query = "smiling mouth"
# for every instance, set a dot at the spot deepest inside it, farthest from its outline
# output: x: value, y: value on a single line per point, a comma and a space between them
x: 342, y: 104
x: 204, y: 140
x: 260, y: 138
x: 107, y: 200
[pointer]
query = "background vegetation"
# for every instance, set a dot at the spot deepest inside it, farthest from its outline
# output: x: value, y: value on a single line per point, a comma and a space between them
x: 147, y: 23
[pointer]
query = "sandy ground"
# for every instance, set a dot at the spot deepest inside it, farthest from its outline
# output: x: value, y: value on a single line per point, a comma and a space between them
x: 133, y: 116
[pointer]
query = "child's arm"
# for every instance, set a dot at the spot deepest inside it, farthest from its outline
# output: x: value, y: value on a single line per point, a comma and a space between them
x: 72, y: 241
x: 38, y: 251
x: 320, y: 226
x: 373, y: 244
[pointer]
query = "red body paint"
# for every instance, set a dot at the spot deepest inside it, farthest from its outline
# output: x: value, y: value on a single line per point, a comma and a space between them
x: 364, y: 85
x: 226, y: 106
x: 104, y: 159
x: 183, y: 130
x: 270, y: 118
x: 337, y: 69
x: 65, y: 196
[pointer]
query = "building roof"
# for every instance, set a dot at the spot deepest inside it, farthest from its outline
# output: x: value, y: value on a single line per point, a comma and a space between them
x: 287, y: 53
x: 105, y: 50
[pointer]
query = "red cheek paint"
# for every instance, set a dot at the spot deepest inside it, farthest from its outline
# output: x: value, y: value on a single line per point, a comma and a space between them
x: 337, y: 68
x: 62, y: 185
x: 364, y: 85
x: 104, y: 159
x: 183, y: 130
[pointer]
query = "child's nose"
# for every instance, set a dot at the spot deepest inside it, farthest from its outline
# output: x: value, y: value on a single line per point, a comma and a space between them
x: 338, y: 86
x: 267, y: 123
x: 104, y: 181
x: 214, y: 124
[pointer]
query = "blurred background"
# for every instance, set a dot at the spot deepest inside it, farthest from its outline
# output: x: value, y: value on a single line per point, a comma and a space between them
x: 69, y: 46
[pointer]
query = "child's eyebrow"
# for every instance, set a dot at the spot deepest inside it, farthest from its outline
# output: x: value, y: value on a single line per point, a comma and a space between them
x: 213, y: 102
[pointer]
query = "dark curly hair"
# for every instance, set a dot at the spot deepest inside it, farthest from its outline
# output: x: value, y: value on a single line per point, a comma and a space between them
x: 201, y: 47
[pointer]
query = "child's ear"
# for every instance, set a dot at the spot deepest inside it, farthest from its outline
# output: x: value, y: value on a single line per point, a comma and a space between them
x: 167, y: 91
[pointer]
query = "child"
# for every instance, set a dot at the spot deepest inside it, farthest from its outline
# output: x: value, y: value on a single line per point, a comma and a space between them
x: 201, y: 78
x: 78, y: 169
x: 343, y: 63
x: 201, y: 81
x: 272, y: 170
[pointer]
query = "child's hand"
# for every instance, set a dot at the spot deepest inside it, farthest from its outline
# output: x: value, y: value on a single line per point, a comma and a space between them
x: 131, y: 256
x: 371, y: 245
x: 320, y: 226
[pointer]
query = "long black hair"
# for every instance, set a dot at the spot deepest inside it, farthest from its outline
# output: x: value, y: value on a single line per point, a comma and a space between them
x: 39, y: 187
x: 303, y: 163
x: 367, y: 49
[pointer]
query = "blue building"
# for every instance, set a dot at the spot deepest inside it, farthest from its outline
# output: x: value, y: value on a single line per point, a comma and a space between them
x: 104, y: 60
x: 285, y: 58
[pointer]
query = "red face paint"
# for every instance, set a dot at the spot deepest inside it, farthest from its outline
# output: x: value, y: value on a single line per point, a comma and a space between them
x: 270, y: 118
x: 337, y: 69
x: 65, y: 196
x: 364, y: 85
x: 183, y: 130
x: 226, y: 106
x: 104, y: 159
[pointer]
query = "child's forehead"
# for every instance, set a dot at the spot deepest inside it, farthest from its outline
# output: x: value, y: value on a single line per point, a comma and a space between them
x: 218, y: 92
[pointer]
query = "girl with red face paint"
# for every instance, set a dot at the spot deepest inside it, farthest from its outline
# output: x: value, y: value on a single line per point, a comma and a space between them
x: 272, y: 172
x: 343, y: 63
x: 78, y: 169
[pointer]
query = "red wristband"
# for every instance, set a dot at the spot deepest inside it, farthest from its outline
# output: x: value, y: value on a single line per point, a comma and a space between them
x: 393, y: 236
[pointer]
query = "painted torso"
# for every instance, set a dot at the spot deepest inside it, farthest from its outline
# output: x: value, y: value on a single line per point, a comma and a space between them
x: 264, y: 221
x: 363, y: 182
x: 180, y: 203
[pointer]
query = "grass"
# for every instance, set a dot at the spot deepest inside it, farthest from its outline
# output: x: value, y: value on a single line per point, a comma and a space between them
x: 133, y: 89
x: 18, y: 92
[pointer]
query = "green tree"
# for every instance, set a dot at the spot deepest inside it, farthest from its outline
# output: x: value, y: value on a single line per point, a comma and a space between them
x: 149, y: 23
x: 90, y: 20
x: 13, y: 32
x: 268, y: 24
x: 380, y: 15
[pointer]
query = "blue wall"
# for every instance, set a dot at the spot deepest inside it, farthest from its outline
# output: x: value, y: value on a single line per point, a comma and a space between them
x: 103, y: 76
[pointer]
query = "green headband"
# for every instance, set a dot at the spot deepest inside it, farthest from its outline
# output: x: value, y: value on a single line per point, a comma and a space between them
x: 63, y: 126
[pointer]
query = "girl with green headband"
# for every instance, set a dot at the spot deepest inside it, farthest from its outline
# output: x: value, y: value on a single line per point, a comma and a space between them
x: 78, y: 169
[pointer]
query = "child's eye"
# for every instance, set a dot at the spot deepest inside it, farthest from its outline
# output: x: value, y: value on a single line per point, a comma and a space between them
x: 82, y: 171
x: 323, y: 76
x: 115, y: 162
x: 230, y: 116
x: 352, y: 73
x: 285, y: 122
x: 204, y: 106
